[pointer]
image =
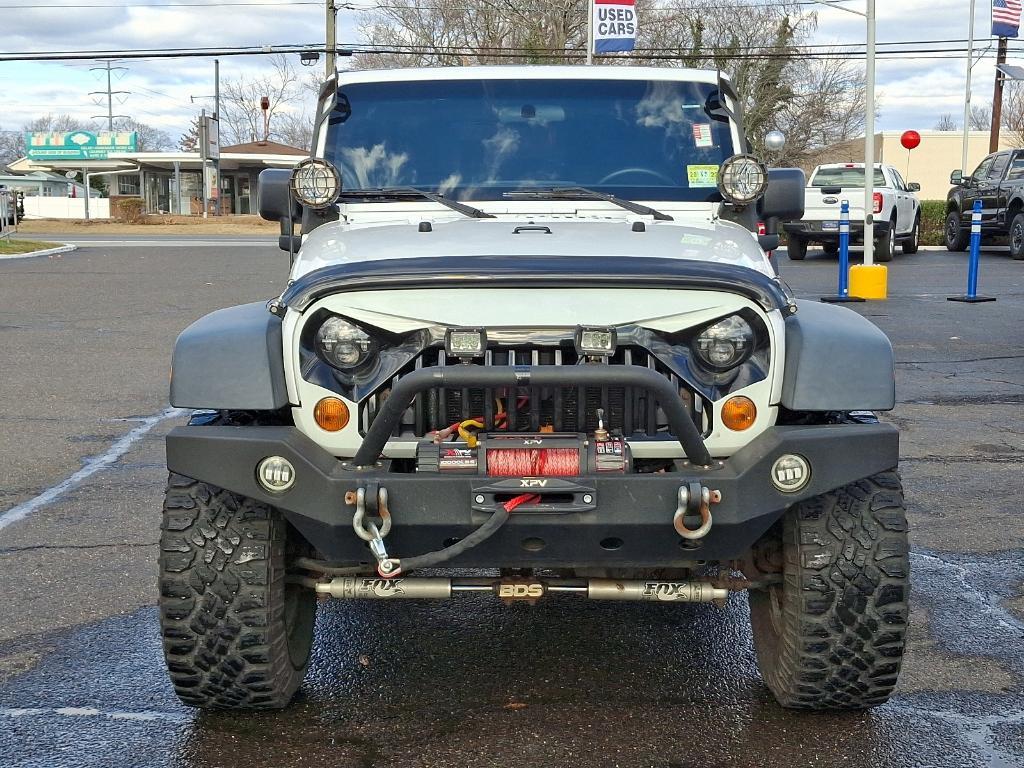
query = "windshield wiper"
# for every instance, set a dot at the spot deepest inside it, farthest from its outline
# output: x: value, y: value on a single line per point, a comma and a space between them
x: 398, y: 193
x: 582, y: 193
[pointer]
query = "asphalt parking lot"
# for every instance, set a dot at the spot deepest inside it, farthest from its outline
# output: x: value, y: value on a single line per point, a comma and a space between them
x: 85, y: 341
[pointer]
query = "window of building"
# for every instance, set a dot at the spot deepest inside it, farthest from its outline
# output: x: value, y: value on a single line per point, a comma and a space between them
x: 128, y: 184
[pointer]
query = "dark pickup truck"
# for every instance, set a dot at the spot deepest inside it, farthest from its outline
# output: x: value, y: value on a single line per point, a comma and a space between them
x: 999, y: 183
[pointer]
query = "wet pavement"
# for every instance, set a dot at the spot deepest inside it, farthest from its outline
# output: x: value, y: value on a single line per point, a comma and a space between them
x: 84, y: 343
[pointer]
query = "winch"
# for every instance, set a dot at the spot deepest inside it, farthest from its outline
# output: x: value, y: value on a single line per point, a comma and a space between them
x: 527, y: 455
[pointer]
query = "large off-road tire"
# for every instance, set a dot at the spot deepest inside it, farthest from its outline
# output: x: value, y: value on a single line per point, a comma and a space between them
x: 235, y: 635
x: 796, y: 248
x: 832, y: 634
x: 1016, y: 240
x: 886, y: 245
x: 912, y: 244
x: 957, y: 238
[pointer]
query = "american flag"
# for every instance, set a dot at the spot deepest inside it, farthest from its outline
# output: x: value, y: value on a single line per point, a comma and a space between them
x: 1006, y: 18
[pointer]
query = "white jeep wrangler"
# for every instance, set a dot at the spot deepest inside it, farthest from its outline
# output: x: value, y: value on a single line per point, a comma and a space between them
x: 530, y: 340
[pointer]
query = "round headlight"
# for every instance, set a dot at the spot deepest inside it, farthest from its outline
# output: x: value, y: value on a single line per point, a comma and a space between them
x: 343, y: 344
x: 316, y: 183
x: 742, y: 179
x: 725, y: 344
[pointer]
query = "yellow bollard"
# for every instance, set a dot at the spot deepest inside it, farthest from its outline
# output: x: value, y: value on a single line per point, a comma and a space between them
x: 869, y: 282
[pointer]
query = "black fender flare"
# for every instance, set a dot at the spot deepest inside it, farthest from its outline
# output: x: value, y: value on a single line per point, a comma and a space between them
x: 837, y: 360
x: 231, y: 359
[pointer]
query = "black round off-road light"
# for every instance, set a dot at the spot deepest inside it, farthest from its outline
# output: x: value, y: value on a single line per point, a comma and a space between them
x: 791, y: 473
x: 276, y: 474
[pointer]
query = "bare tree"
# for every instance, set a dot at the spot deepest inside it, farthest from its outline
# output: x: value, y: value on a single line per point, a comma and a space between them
x: 242, y: 118
x: 148, y: 137
x: 1012, y: 121
x: 12, y: 146
x: 294, y: 129
x: 946, y: 122
x: 981, y: 117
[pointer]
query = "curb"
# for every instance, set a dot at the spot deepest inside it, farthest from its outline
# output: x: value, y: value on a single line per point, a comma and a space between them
x: 45, y: 252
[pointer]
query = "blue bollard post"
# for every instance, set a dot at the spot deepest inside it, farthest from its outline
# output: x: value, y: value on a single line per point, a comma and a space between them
x: 974, y: 265
x: 843, y: 296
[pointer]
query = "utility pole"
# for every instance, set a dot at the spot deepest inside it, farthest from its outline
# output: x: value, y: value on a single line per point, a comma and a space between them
x: 967, y: 95
x: 332, y: 38
x: 109, y: 93
x: 202, y: 158
x: 997, y: 98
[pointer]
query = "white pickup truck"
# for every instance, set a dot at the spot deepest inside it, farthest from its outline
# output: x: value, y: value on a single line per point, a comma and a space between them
x: 897, y: 211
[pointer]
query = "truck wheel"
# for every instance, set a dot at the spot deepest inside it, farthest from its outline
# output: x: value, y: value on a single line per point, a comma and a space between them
x: 796, y: 248
x: 1017, y: 237
x: 913, y: 243
x: 832, y: 634
x: 235, y: 635
x: 957, y: 238
x: 830, y: 249
x: 886, y: 245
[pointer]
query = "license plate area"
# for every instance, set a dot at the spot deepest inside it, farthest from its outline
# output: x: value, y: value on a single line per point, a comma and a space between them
x: 830, y: 226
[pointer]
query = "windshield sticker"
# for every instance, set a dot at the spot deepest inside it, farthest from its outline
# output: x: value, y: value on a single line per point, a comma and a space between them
x: 702, y: 175
x: 702, y: 135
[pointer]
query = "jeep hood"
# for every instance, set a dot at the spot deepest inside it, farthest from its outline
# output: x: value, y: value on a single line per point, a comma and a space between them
x: 716, y: 242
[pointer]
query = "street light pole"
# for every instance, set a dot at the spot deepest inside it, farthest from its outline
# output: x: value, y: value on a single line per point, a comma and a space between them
x: 869, y: 144
x: 967, y: 95
x: 869, y: 126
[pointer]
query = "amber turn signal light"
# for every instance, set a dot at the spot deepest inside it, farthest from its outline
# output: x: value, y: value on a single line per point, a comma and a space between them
x: 739, y: 413
x: 331, y: 414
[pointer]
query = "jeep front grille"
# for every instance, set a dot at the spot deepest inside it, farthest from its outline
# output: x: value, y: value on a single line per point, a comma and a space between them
x: 630, y: 411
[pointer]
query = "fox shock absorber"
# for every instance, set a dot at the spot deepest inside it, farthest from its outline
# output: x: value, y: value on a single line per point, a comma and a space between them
x: 527, y: 455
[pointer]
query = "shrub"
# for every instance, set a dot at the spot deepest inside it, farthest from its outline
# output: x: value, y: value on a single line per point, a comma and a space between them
x: 131, y: 210
x: 933, y: 221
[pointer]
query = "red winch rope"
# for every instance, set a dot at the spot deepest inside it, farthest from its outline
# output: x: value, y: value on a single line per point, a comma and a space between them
x: 518, y: 501
x: 534, y: 462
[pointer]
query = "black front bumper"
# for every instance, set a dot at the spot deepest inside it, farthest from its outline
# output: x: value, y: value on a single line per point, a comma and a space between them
x: 813, y: 231
x: 627, y: 525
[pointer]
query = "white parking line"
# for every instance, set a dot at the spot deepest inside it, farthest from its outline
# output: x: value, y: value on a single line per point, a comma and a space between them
x: 172, y: 243
x: 145, y: 716
x: 91, y: 467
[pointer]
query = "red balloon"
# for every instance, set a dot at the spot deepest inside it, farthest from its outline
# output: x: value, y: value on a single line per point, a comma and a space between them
x: 910, y: 139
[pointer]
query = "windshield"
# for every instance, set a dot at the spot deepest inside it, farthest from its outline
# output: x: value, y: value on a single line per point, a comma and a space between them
x: 478, y: 139
x: 846, y: 177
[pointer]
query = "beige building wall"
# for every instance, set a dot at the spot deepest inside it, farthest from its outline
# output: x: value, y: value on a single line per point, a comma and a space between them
x: 929, y: 165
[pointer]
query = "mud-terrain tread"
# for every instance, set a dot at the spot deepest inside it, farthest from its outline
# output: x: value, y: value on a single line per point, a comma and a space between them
x: 844, y: 599
x: 222, y: 600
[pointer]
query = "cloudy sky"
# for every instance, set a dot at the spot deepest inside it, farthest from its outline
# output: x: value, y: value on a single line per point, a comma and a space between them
x: 913, y: 90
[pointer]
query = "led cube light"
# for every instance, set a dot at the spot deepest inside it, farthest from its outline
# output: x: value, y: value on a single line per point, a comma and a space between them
x: 595, y: 342
x: 466, y: 344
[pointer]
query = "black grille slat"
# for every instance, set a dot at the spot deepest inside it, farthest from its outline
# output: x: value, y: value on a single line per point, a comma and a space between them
x: 627, y: 400
x: 652, y: 407
x: 512, y: 406
x: 556, y: 416
x: 535, y: 406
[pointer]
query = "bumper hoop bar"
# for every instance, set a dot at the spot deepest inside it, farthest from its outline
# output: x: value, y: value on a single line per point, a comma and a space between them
x: 409, y: 386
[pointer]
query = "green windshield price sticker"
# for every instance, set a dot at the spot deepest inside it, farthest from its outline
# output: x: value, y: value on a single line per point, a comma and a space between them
x: 702, y: 175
